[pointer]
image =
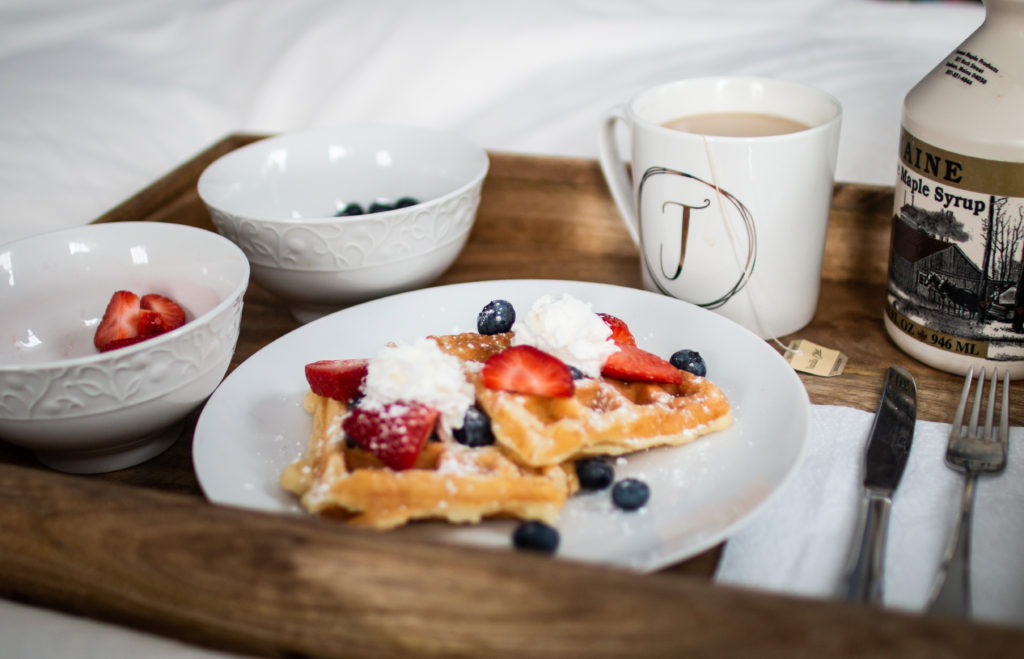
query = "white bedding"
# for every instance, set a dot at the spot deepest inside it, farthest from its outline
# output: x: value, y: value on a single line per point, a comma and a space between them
x: 100, y: 97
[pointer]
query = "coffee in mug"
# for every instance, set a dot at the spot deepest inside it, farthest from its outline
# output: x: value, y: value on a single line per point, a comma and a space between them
x: 736, y: 124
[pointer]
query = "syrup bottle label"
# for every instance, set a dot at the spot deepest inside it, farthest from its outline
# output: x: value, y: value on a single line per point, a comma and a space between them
x: 956, y: 280
x: 969, y: 68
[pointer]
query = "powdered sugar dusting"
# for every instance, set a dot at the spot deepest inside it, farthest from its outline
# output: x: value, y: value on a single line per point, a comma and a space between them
x: 459, y: 461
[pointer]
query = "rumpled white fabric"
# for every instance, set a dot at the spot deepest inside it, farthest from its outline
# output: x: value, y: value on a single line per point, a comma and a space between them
x: 34, y: 633
x: 100, y: 98
x: 799, y: 543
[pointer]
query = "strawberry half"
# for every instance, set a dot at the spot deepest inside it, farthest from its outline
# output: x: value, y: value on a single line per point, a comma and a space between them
x: 527, y: 370
x: 633, y: 364
x: 339, y: 379
x: 171, y: 313
x: 123, y: 343
x: 120, y: 321
x: 621, y: 336
x: 394, y: 432
x: 151, y: 323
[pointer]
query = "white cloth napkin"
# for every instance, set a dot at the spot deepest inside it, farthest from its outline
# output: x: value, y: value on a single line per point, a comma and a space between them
x: 798, y: 544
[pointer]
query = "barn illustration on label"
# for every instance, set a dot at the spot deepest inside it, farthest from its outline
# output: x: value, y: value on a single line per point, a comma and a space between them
x: 956, y: 280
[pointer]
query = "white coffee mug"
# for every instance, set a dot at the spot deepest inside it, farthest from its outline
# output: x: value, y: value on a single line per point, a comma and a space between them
x: 732, y: 223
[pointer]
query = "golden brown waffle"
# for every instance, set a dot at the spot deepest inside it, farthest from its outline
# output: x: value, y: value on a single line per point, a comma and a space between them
x: 449, y: 481
x: 604, y: 417
x: 527, y: 473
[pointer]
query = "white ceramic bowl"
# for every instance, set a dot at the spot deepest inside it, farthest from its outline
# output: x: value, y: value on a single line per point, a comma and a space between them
x: 82, y: 411
x: 278, y: 199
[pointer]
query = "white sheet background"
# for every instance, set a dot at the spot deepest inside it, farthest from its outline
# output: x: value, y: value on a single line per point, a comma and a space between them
x: 100, y: 97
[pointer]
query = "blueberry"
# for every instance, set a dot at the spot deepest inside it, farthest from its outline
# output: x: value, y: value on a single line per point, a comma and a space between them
x: 594, y: 473
x: 352, y: 404
x: 630, y: 494
x: 350, y: 209
x: 405, y: 202
x: 689, y: 361
x: 577, y: 374
x: 536, y: 536
x: 496, y: 317
x: 475, y: 430
x: 379, y: 206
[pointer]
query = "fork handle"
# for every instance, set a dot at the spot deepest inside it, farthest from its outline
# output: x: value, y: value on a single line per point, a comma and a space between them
x: 951, y: 592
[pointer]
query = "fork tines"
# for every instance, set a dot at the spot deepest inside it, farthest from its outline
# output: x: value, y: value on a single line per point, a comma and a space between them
x: 972, y: 453
x: 965, y: 442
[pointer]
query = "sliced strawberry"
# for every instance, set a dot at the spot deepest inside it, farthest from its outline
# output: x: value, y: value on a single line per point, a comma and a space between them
x: 172, y: 314
x: 621, y: 335
x: 395, y: 432
x: 151, y: 323
x: 120, y: 320
x: 337, y: 378
x: 636, y: 365
x: 123, y: 343
x: 527, y: 370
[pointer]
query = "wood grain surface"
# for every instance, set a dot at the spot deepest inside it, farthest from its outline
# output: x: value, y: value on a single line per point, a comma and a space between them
x: 142, y: 547
x: 285, y: 586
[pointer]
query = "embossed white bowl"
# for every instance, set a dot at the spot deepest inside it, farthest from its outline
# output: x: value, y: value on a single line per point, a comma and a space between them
x: 82, y: 411
x: 278, y: 198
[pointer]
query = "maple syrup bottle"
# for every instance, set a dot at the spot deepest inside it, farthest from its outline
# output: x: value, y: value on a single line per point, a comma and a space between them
x: 955, y: 297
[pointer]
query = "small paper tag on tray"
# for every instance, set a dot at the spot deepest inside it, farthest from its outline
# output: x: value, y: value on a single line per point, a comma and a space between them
x: 809, y: 357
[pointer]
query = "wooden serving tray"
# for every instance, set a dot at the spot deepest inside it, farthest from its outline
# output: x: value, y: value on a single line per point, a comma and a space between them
x: 141, y: 547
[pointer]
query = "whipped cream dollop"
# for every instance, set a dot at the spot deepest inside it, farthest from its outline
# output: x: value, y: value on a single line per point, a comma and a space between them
x: 566, y: 327
x: 420, y: 372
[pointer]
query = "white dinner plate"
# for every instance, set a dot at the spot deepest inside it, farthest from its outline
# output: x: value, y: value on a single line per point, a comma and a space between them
x: 254, y: 424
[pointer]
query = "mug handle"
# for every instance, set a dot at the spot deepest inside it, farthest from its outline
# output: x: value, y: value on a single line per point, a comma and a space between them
x: 614, y: 168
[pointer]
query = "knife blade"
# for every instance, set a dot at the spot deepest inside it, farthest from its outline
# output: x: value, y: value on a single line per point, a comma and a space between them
x: 885, y: 459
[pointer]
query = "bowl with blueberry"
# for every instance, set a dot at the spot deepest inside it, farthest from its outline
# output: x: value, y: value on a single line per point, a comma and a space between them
x: 333, y: 216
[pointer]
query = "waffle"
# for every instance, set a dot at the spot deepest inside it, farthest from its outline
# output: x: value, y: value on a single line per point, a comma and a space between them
x: 527, y: 473
x: 449, y: 481
x: 604, y: 417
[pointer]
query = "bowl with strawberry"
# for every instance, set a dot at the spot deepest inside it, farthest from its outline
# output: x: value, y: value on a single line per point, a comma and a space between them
x: 112, y: 335
x: 333, y: 216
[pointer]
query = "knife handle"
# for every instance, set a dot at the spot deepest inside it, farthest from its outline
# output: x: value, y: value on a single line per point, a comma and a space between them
x: 863, y: 582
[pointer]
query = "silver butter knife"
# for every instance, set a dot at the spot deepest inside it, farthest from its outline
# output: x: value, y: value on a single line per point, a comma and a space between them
x: 887, y: 452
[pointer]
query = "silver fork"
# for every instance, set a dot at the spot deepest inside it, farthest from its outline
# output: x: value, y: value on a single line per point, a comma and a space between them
x: 971, y: 453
